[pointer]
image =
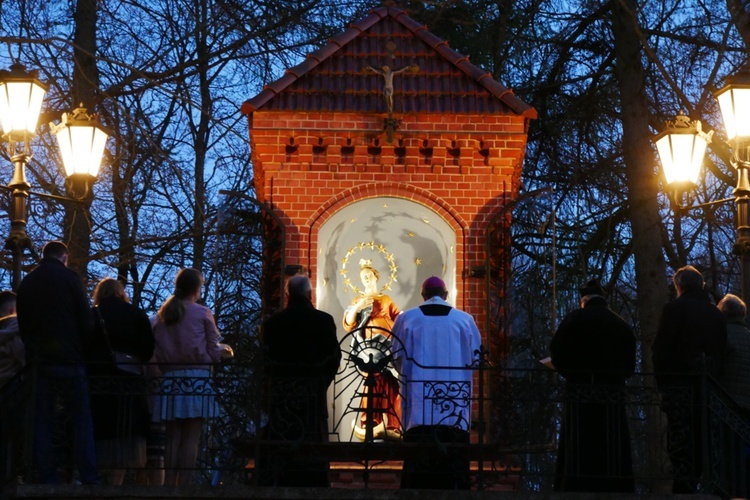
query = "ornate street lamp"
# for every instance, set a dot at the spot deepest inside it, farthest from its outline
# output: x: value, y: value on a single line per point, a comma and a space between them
x: 21, y: 95
x: 682, y: 146
x: 734, y: 101
x: 81, y: 139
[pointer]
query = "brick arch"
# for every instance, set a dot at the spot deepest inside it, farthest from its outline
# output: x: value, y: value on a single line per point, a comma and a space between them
x: 394, y: 189
x: 397, y: 190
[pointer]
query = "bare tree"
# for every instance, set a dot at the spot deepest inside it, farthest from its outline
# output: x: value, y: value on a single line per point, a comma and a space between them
x: 167, y: 79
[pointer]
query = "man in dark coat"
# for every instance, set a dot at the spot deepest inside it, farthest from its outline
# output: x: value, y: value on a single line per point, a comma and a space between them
x: 302, y: 356
x: 594, y: 349
x: 736, y: 380
x: 56, y: 326
x: 691, y: 340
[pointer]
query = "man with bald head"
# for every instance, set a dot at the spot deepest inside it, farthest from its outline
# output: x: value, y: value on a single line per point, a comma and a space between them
x: 691, y: 341
x: 302, y: 356
x: 440, y: 344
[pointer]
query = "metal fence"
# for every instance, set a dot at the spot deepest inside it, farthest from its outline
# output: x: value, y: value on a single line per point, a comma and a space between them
x: 518, y: 420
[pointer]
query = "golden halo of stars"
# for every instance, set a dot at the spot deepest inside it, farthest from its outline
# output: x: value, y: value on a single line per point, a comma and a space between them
x: 372, y: 246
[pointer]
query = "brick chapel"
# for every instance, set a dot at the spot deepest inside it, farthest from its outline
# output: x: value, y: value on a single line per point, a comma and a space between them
x: 387, y: 146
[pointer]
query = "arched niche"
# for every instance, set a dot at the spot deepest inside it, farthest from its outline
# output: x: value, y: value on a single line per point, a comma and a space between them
x: 406, y: 241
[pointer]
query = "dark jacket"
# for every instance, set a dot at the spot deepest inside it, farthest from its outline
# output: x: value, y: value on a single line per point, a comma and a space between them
x: 300, y: 343
x: 736, y: 376
x: 54, y: 316
x: 128, y: 328
x: 119, y: 405
x: 302, y: 356
x: 12, y: 350
x: 594, y: 349
x: 692, y: 335
x: 593, y: 344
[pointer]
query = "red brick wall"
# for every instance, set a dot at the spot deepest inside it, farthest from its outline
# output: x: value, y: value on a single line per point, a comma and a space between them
x: 309, y: 165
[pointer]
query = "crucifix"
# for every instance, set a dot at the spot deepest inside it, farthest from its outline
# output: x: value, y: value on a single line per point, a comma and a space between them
x: 387, y: 73
x: 390, y: 123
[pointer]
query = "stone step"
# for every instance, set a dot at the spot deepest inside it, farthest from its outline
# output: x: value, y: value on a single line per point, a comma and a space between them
x: 387, y: 475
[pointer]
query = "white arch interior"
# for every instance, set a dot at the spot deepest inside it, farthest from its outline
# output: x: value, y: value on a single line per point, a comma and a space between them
x: 406, y: 242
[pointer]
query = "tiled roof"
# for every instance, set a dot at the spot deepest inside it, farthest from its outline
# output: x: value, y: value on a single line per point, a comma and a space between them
x: 333, y: 78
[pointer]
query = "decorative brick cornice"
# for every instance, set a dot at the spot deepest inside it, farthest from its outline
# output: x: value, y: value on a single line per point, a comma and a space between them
x: 338, y: 152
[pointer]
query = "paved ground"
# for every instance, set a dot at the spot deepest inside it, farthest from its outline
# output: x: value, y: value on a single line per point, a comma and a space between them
x: 250, y: 493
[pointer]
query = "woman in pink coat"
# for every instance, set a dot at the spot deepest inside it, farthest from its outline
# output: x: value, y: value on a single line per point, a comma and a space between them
x: 187, y: 344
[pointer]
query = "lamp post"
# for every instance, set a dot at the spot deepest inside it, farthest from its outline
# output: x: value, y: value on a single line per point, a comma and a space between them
x: 21, y: 95
x: 734, y: 101
x: 81, y: 140
x: 682, y: 146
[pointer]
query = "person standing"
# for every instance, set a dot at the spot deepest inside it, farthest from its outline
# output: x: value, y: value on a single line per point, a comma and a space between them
x: 120, y: 408
x: 56, y: 326
x: 690, y: 341
x: 12, y: 360
x: 439, y: 346
x: 736, y: 370
x: 187, y: 343
x: 594, y: 350
x: 12, y: 350
x: 302, y: 356
x: 736, y: 380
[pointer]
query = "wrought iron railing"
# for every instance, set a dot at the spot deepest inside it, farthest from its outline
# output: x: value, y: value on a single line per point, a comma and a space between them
x: 516, y: 423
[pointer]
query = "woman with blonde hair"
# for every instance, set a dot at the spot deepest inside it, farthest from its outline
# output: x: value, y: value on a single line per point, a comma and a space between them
x: 120, y: 409
x: 187, y: 343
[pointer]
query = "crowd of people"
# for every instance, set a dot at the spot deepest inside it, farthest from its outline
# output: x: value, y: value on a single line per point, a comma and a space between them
x: 594, y: 350
x: 150, y: 420
x: 91, y: 367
